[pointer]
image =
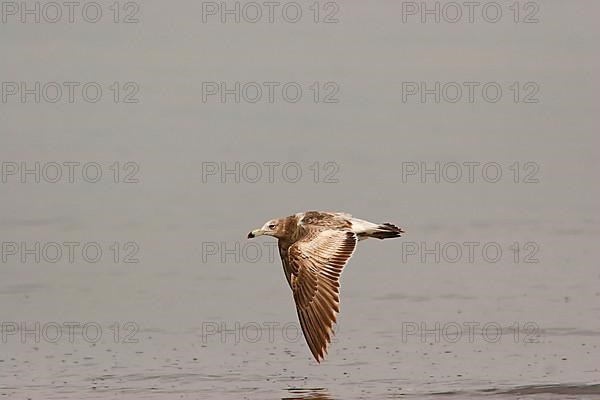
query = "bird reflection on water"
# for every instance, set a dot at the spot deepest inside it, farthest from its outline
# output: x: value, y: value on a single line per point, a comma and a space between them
x: 308, y: 394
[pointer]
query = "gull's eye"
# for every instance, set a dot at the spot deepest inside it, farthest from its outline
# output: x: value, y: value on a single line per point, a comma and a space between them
x: 271, y: 226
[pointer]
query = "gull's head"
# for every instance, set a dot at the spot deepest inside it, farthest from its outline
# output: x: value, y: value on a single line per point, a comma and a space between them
x: 272, y: 228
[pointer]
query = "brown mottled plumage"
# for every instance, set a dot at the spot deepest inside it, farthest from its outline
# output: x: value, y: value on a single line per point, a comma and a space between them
x: 314, y: 248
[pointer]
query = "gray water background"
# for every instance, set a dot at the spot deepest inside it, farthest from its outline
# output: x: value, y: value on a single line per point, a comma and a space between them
x: 172, y: 294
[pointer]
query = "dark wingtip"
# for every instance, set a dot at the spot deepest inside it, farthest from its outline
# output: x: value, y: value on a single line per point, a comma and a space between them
x: 394, y: 227
x: 388, y: 231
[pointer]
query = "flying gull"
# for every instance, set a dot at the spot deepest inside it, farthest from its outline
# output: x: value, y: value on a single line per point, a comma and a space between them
x: 314, y: 247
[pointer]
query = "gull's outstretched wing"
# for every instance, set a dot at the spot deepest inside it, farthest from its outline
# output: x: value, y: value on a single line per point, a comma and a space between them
x: 315, y: 263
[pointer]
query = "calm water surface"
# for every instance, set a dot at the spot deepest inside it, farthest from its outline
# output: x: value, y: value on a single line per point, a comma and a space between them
x: 185, y: 322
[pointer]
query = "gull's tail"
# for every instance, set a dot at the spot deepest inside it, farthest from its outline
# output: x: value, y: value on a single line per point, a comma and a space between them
x: 366, y: 229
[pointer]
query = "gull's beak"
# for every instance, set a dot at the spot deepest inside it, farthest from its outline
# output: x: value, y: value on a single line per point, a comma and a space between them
x: 255, y: 233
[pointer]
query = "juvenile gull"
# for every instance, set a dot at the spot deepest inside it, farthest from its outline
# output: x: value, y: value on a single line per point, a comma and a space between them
x: 314, y: 247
